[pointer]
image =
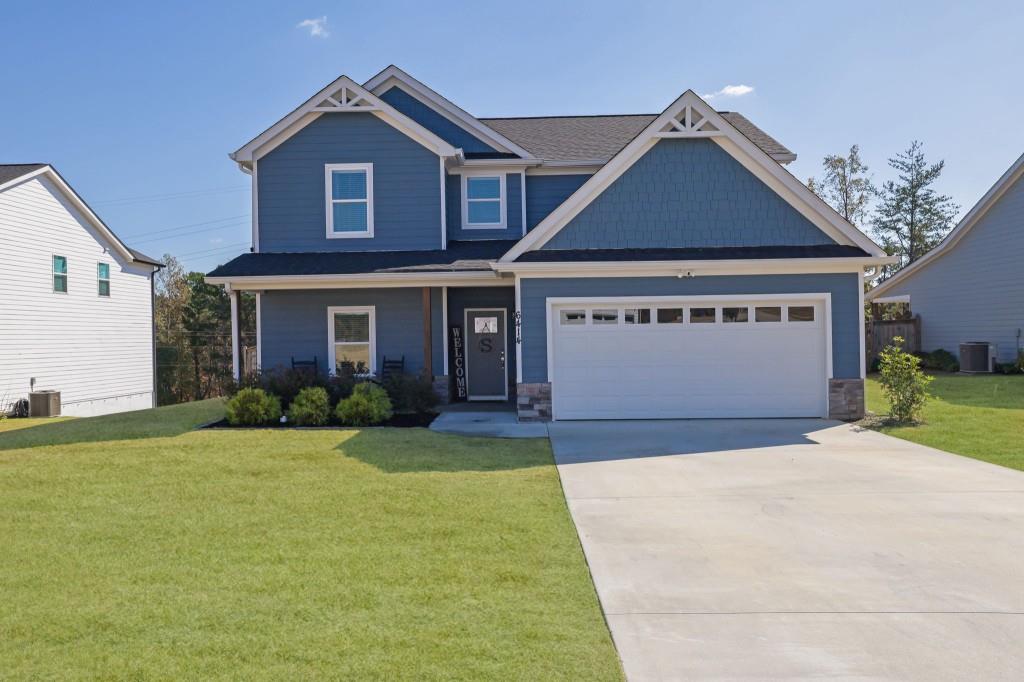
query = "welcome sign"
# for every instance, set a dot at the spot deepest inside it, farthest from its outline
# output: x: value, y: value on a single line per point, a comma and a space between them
x: 458, y: 362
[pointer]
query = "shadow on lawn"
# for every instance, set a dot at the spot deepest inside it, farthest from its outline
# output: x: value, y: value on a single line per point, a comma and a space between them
x: 402, y: 451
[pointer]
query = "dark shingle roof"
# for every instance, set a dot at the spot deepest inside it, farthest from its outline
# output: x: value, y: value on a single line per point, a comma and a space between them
x: 599, y: 138
x: 10, y: 171
x: 461, y: 256
x: 716, y: 253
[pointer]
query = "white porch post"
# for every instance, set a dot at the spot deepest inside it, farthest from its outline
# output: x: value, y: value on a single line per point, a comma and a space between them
x: 236, y: 357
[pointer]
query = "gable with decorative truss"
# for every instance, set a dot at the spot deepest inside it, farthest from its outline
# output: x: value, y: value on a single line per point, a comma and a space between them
x: 345, y: 98
x: 689, y: 123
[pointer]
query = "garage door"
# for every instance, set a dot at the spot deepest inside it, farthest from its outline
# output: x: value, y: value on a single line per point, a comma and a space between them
x: 688, y: 358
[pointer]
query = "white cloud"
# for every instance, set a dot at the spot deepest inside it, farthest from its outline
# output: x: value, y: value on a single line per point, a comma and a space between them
x: 317, y: 27
x: 217, y: 240
x: 730, y: 91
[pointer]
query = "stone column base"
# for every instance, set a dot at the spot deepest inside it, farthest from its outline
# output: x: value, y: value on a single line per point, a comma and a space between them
x: 846, y: 399
x: 533, y: 402
x: 443, y: 388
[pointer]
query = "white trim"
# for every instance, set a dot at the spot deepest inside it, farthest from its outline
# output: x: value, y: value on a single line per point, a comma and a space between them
x: 522, y: 198
x: 255, y: 210
x: 393, y: 76
x: 863, y: 329
x: 361, y: 101
x: 902, y: 298
x: 565, y: 168
x: 259, y: 331
x: 502, y: 201
x: 683, y: 268
x: 489, y: 165
x: 466, y: 333
x: 690, y: 105
x: 444, y: 206
x: 444, y: 322
x: 519, y: 346
x: 236, y: 355
x: 329, y: 200
x: 966, y: 224
x: 371, y: 311
x: 362, y: 281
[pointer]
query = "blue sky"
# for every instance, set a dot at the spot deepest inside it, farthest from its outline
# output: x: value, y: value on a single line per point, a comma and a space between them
x: 138, y: 104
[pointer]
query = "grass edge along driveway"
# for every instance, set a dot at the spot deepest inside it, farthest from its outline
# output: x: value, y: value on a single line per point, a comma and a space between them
x: 140, y: 548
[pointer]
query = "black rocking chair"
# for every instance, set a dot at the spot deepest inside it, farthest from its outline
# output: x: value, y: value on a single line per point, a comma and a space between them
x: 308, y: 365
x: 390, y: 367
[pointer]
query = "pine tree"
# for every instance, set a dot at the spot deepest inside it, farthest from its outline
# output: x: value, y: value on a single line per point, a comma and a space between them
x: 846, y: 187
x: 911, y: 217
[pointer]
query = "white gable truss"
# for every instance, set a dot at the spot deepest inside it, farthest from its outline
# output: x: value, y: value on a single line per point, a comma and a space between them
x: 1012, y: 175
x: 112, y: 240
x: 395, y: 77
x: 341, y: 96
x: 692, y: 117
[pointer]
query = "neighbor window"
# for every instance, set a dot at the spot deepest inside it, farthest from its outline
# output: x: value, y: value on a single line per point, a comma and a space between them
x: 573, y: 317
x: 769, y: 313
x: 483, y: 203
x: 103, y: 279
x: 702, y: 315
x: 349, y: 200
x: 605, y: 316
x: 801, y: 313
x: 670, y: 315
x: 352, y: 339
x: 60, y: 274
x: 636, y: 316
x: 734, y: 314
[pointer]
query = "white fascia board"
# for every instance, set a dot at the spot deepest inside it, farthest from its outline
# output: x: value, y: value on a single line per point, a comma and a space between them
x: 689, y: 268
x: 362, y: 281
x: 566, y: 168
x: 310, y: 109
x: 738, y: 145
x: 904, y: 298
x: 393, y: 76
x: 1012, y: 175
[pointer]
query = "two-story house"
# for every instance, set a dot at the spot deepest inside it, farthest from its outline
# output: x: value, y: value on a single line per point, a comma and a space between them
x: 635, y: 266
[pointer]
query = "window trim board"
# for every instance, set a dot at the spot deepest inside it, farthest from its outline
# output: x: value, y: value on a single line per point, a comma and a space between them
x: 331, y: 343
x: 502, y: 200
x: 329, y: 199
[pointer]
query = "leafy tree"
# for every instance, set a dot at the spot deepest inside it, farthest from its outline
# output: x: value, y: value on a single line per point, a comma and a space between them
x: 846, y: 187
x: 904, y: 384
x: 911, y: 217
x: 206, y: 321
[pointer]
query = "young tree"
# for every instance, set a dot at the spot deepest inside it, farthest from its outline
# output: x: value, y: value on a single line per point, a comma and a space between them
x: 846, y: 186
x: 911, y: 217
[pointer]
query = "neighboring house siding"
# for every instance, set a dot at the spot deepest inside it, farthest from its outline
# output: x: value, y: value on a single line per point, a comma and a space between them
x: 294, y: 325
x: 513, y: 210
x: 406, y: 187
x: 97, y: 351
x: 687, y: 193
x: 846, y: 331
x: 975, y: 290
x: 545, y: 192
x: 453, y: 134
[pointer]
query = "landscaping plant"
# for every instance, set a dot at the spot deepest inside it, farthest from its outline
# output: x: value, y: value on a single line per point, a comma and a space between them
x: 411, y: 393
x: 253, y: 407
x: 903, y: 382
x: 311, y: 407
x: 368, y: 405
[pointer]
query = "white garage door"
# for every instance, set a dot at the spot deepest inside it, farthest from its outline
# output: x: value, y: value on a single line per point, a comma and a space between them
x: 737, y: 357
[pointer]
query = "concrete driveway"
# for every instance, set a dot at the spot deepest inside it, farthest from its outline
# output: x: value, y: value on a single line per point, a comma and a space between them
x: 775, y: 549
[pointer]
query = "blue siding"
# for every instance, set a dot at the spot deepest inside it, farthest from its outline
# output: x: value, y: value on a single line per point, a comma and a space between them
x: 513, y: 207
x: 406, y: 187
x: 843, y: 287
x: 294, y: 324
x: 687, y: 193
x: 544, y: 193
x: 975, y: 291
x: 460, y: 298
x: 451, y: 133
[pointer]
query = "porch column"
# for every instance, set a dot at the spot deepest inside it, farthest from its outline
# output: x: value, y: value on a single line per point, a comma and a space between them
x: 236, y: 358
x: 428, y: 354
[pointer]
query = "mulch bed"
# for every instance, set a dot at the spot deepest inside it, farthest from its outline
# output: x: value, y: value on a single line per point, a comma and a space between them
x: 401, y: 421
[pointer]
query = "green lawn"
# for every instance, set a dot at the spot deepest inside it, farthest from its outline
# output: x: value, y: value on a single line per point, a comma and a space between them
x: 135, y: 547
x: 978, y: 416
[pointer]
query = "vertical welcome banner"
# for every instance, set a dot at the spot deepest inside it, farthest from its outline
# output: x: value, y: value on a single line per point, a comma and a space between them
x: 458, y: 362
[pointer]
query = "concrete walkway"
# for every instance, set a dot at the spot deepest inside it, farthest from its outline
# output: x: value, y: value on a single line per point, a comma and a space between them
x: 491, y: 423
x: 788, y: 549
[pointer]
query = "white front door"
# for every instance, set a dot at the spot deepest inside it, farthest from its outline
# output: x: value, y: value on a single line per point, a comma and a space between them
x: 690, y: 358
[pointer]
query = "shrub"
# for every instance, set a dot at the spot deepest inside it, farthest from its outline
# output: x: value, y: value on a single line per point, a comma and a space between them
x: 311, y: 407
x: 1020, y: 361
x: 340, y: 384
x: 253, y: 407
x: 903, y: 382
x: 286, y: 382
x: 411, y: 393
x: 940, y: 359
x: 368, y: 405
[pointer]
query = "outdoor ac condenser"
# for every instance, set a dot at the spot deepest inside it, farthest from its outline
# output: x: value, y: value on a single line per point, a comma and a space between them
x: 44, y: 404
x: 977, y: 356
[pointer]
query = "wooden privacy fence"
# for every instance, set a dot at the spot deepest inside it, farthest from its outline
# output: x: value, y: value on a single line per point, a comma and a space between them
x: 880, y: 334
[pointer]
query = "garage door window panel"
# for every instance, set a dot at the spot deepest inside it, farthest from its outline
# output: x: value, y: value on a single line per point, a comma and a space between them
x: 637, y: 316
x: 572, y: 317
x: 670, y: 315
x: 768, y: 313
x: 703, y: 315
x: 735, y: 314
x: 800, y: 313
x: 605, y: 316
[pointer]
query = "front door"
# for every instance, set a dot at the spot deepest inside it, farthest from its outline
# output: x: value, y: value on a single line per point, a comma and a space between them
x: 486, y: 367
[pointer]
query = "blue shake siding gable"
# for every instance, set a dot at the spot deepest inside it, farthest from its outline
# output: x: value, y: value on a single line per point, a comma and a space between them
x: 544, y: 193
x: 406, y: 187
x: 453, y: 134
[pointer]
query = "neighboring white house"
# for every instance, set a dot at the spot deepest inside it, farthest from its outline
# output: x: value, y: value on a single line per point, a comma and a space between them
x: 76, y: 304
x: 971, y: 286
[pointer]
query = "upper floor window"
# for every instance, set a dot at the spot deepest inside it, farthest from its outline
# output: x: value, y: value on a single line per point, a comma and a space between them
x: 483, y: 202
x: 349, y: 194
x: 103, y: 279
x: 60, y: 274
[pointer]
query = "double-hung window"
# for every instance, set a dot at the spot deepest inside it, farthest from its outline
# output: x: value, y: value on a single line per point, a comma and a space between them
x: 483, y: 202
x: 349, y: 192
x: 353, y: 339
x: 60, y: 275
x: 103, y: 279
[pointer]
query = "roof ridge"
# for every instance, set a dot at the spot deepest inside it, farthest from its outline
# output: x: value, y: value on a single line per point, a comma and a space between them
x: 520, y: 118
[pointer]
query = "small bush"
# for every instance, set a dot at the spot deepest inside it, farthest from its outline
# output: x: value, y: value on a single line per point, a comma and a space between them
x: 903, y: 382
x: 311, y: 407
x: 286, y: 382
x: 340, y: 384
x: 368, y: 405
x: 253, y: 407
x: 940, y: 359
x: 411, y: 393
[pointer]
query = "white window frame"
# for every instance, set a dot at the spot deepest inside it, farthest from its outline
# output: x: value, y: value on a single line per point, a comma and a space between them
x: 54, y: 274
x: 331, y: 344
x: 102, y: 279
x: 329, y: 199
x: 502, y: 201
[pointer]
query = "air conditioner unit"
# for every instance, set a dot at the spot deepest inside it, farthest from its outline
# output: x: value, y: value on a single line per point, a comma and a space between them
x: 44, y: 404
x: 977, y: 357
